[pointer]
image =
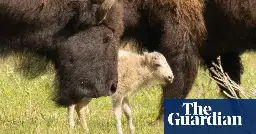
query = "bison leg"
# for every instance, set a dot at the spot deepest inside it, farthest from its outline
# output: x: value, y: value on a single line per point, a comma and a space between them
x: 231, y: 64
x: 182, y: 55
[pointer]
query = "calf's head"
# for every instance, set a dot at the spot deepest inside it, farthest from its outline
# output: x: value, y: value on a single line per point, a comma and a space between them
x: 159, y: 67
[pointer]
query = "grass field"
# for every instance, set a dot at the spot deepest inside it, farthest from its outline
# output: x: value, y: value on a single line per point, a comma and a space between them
x: 26, y: 106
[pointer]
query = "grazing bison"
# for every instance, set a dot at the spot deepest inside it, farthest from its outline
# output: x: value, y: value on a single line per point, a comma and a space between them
x: 72, y: 35
x: 135, y: 72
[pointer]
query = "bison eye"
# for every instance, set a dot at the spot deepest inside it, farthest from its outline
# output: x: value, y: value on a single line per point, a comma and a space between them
x: 106, y: 39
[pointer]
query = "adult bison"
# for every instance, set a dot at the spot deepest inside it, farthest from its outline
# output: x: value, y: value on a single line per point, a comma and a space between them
x: 72, y: 34
x: 186, y: 31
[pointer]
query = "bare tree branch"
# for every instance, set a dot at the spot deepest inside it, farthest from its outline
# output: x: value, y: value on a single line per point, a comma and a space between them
x: 222, y: 78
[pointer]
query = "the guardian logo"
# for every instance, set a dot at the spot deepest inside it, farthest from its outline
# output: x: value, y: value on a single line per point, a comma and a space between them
x: 202, y: 115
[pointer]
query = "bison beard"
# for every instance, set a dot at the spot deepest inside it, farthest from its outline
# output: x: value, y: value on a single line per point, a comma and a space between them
x: 64, y: 31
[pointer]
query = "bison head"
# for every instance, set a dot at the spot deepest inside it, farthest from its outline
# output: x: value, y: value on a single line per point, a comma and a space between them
x: 87, y: 61
x: 87, y: 66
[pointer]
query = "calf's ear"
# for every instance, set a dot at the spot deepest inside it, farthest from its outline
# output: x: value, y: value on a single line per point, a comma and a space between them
x: 145, y: 59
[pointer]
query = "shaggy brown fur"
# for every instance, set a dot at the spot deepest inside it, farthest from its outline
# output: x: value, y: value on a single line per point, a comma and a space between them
x: 175, y: 28
x: 231, y: 26
x: 66, y: 32
x: 178, y: 27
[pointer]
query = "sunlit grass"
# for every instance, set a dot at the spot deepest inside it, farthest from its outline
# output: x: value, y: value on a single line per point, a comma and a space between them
x: 26, y: 105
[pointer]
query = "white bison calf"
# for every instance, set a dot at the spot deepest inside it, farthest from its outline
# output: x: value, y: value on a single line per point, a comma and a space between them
x: 134, y: 72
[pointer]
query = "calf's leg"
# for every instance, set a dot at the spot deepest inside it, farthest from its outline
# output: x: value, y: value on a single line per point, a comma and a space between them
x: 128, y: 114
x: 117, y: 109
x: 71, y: 121
x: 81, y: 109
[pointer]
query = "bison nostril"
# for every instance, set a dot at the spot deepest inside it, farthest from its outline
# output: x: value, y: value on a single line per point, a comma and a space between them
x: 113, y: 88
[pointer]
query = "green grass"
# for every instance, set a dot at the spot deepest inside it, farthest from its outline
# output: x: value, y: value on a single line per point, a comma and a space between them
x: 26, y: 106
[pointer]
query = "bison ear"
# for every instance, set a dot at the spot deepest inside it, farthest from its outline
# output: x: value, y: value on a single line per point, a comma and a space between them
x: 104, y: 9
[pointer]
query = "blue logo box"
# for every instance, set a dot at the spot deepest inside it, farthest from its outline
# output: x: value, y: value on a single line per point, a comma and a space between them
x: 210, y: 116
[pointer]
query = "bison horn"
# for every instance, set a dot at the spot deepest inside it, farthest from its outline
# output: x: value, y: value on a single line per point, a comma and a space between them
x: 104, y: 9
